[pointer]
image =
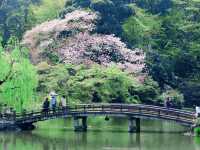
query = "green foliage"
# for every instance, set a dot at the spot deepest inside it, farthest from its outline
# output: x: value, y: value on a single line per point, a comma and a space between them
x: 112, y: 13
x: 167, y: 30
x: 81, y: 3
x: 51, y: 56
x: 175, y: 96
x: 155, y: 6
x: 20, y: 78
x: 139, y: 28
x: 19, y: 15
x: 110, y: 84
x: 190, y: 89
x: 1, y: 47
x: 148, y: 93
x: 45, y: 10
x: 106, y: 85
x: 134, y: 31
x: 13, y: 18
x: 50, y: 77
x: 174, y: 58
x: 96, y: 84
x: 197, y: 131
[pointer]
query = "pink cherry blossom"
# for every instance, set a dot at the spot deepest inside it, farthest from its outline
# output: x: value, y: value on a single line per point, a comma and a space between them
x: 82, y: 46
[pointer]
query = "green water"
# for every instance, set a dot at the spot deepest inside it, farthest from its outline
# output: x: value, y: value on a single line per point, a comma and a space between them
x: 102, y: 135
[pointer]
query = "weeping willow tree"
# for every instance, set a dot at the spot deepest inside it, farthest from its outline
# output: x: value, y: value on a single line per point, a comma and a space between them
x: 18, y: 77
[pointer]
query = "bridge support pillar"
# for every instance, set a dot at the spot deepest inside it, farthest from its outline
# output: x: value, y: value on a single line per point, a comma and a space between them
x: 131, y: 127
x: 84, y: 123
x: 137, y: 125
x: 134, y: 125
x: 80, y: 127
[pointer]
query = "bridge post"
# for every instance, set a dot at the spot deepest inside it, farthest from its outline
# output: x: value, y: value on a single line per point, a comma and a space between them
x: 76, y: 123
x: 137, y: 125
x: 80, y: 127
x: 84, y: 123
x: 133, y: 125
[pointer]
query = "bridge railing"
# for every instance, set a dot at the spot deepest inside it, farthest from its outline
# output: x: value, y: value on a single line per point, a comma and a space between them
x: 124, y: 109
x: 140, y: 109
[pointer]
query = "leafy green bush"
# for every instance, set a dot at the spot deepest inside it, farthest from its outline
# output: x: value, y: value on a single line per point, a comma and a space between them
x: 81, y: 84
x: 197, y: 131
x: 51, y: 77
x: 111, y: 84
x: 175, y: 96
x: 148, y: 93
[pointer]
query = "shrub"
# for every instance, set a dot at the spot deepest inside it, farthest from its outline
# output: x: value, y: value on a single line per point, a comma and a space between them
x: 148, y: 92
x: 95, y: 84
x: 176, y: 97
x: 107, y: 84
x: 197, y: 131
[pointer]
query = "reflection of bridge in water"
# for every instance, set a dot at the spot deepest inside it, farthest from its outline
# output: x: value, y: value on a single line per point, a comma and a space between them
x: 80, y: 113
x: 32, y: 141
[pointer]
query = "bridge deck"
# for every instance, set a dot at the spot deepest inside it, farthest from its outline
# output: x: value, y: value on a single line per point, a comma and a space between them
x: 187, y: 118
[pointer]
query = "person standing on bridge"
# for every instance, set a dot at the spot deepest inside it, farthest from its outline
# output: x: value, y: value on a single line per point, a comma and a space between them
x: 168, y: 103
x: 63, y: 103
x: 53, y: 101
x: 45, y: 106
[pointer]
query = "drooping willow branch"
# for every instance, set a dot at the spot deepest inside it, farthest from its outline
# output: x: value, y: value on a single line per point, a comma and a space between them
x: 13, y: 88
x: 9, y: 75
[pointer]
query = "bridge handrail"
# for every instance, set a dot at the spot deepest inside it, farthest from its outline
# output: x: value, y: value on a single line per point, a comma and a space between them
x: 122, y: 106
x: 142, y: 106
x: 185, y: 117
x: 181, y: 116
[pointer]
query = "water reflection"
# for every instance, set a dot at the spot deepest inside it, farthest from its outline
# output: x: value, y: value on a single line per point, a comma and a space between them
x: 85, y: 141
x: 65, y: 139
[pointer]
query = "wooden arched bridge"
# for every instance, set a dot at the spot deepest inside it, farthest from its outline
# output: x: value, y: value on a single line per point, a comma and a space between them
x: 80, y: 112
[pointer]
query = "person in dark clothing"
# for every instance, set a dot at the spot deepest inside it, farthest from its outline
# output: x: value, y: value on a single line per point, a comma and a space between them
x: 45, y: 107
x: 168, y: 103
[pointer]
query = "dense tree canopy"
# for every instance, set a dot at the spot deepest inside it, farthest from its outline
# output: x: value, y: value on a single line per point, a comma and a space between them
x: 13, y: 18
x: 155, y: 42
x: 175, y: 55
x: 19, y: 15
x: 168, y: 30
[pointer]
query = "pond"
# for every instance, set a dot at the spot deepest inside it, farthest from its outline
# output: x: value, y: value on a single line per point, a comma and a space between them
x: 101, y: 135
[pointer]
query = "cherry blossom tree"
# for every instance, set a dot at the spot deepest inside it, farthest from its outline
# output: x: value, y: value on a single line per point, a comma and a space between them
x: 74, y: 41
